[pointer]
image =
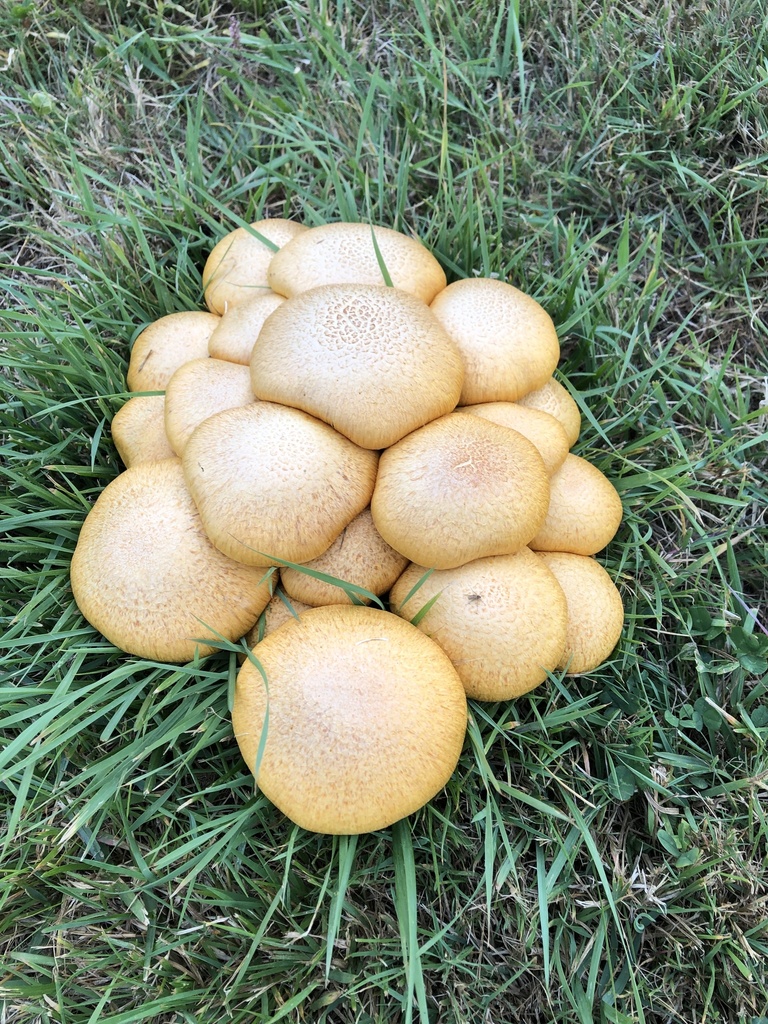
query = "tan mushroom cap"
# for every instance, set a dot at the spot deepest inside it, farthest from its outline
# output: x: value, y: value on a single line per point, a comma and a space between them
x: 138, y: 430
x: 507, y: 340
x: 166, y: 345
x: 147, y: 577
x: 372, y: 362
x: 542, y: 430
x: 345, y: 254
x: 280, y: 609
x: 367, y: 718
x: 236, y: 270
x: 584, y: 510
x: 595, y: 610
x: 359, y: 555
x: 558, y: 402
x: 272, y: 483
x: 458, y: 489
x: 239, y: 328
x: 199, y: 390
x: 502, y: 621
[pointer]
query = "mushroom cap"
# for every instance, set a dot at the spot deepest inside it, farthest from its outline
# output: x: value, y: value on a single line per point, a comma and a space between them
x: 166, y: 345
x: 558, y: 402
x: 138, y: 430
x: 344, y: 254
x: 595, y: 610
x: 239, y: 328
x: 236, y: 270
x: 146, y: 576
x: 507, y: 340
x: 584, y: 510
x: 459, y: 488
x: 199, y: 390
x: 502, y: 620
x: 542, y: 430
x: 359, y: 555
x: 280, y: 609
x: 366, y: 723
x: 373, y: 362
x: 274, y: 484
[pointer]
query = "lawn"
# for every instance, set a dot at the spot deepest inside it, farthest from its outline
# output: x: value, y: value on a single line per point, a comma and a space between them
x: 600, y: 853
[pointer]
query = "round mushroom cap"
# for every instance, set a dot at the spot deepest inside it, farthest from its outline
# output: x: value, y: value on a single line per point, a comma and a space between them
x: 366, y: 719
x: 345, y: 254
x: 372, y: 362
x: 199, y: 390
x: 279, y: 610
x: 542, y: 430
x: 359, y: 555
x: 236, y: 270
x: 460, y: 488
x: 502, y: 621
x: 146, y: 576
x: 507, y: 340
x: 166, y: 345
x: 239, y: 328
x: 274, y: 484
x: 138, y: 430
x: 595, y: 610
x: 584, y: 510
x: 557, y: 401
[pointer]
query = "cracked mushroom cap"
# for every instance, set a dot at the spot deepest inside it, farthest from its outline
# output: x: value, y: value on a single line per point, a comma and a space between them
x: 199, y: 390
x: 502, y: 621
x: 372, y: 362
x: 460, y: 488
x: 345, y: 254
x: 507, y: 340
x: 236, y: 270
x: 272, y: 483
x: 359, y: 555
x: 584, y: 510
x: 146, y: 576
x: 595, y: 610
x: 239, y: 328
x: 138, y: 430
x: 542, y: 430
x: 367, y: 718
x: 166, y: 345
x: 557, y: 401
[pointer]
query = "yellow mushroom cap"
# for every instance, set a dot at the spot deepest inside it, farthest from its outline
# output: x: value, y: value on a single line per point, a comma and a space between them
x: 542, y: 430
x: 459, y: 488
x: 359, y: 555
x: 372, y: 362
x: 239, y: 328
x: 146, y: 576
x: 272, y: 483
x: 138, y: 430
x: 502, y: 621
x: 584, y: 510
x: 557, y: 401
x: 366, y: 719
x: 280, y: 609
x: 595, y: 610
x: 236, y: 270
x: 345, y: 254
x: 507, y: 340
x: 166, y: 345
x: 199, y: 390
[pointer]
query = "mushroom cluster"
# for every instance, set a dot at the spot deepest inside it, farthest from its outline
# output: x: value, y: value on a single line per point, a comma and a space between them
x: 341, y: 413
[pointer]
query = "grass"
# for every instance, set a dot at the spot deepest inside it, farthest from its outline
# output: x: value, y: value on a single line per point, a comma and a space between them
x: 600, y: 853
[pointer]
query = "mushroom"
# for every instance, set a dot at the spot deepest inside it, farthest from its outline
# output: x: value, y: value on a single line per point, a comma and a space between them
x: 273, y: 484
x: 239, y: 328
x: 199, y: 390
x: 366, y: 719
x: 460, y: 488
x: 166, y: 345
x: 507, y: 340
x: 279, y: 610
x: 553, y: 398
x: 236, y: 270
x: 584, y: 510
x: 542, y: 430
x: 345, y: 253
x: 372, y: 362
x: 146, y: 576
x: 138, y: 430
x: 595, y: 610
